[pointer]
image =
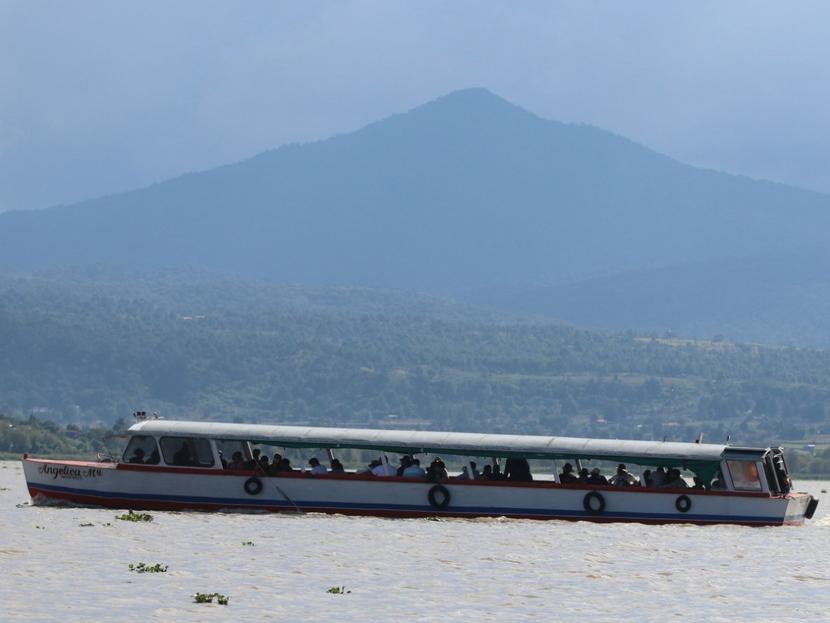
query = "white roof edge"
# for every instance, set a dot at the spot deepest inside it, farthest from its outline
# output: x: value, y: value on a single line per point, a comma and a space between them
x: 459, y: 443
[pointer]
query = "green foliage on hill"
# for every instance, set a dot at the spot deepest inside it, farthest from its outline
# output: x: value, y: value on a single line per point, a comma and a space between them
x: 92, y: 348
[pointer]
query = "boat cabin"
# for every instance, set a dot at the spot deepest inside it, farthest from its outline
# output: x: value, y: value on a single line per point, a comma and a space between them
x: 210, y: 446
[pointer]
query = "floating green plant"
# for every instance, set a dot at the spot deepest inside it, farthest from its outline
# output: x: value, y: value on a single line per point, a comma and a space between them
x: 86, y: 524
x: 247, y: 543
x: 145, y: 568
x: 207, y: 598
x: 131, y: 516
x: 338, y: 590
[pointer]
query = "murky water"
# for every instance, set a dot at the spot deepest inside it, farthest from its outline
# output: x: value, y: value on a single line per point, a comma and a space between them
x: 54, y: 568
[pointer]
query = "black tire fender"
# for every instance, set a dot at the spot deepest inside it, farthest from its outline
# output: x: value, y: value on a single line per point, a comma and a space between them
x: 434, y: 492
x: 593, y: 503
x: 253, y: 486
x: 683, y: 503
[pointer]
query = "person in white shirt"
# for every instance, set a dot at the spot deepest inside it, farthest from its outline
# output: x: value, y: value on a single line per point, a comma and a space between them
x: 623, y: 477
x: 316, y: 468
x: 382, y: 468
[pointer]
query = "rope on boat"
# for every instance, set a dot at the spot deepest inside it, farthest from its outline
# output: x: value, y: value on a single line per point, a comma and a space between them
x: 283, y: 494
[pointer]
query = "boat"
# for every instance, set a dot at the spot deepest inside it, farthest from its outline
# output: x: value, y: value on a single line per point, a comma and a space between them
x: 185, y: 465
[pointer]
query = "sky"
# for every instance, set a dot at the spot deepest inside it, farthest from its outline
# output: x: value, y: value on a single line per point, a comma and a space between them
x: 98, y: 97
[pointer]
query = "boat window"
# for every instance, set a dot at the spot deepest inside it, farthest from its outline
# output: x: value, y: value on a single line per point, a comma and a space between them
x: 745, y: 475
x: 187, y: 451
x: 141, y: 449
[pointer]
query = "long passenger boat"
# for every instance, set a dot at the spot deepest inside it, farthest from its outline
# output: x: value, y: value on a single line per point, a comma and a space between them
x: 180, y: 465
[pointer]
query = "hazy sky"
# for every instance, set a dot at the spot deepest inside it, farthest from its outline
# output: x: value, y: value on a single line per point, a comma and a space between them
x: 97, y: 97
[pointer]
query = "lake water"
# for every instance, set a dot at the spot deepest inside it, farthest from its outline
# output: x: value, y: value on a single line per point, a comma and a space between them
x: 402, y: 570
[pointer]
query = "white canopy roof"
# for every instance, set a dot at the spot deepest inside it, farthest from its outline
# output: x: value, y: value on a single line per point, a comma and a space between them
x: 467, y: 444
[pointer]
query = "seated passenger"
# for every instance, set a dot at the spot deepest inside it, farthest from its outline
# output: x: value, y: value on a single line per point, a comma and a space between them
x: 487, y: 472
x: 437, y: 471
x: 583, y: 475
x: 596, y: 478
x: 284, y: 466
x: 497, y: 475
x: 383, y: 469
x: 658, y: 477
x: 184, y: 456
x: 414, y: 470
x: 275, y: 463
x: 406, y: 461
x: 567, y: 477
x: 137, y: 457
x: 473, y: 472
x: 623, y: 477
x: 717, y: 483
x: 263, y: 464
x: 236, y: 461
x: 518, y: 470
x: 337, y: 467
x: 647, y: 481
x: 699, y: 484
x: 316, y: 468
x: 675, y: 480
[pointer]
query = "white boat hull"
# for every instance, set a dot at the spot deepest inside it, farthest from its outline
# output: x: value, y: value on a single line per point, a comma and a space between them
x: 163, y: 488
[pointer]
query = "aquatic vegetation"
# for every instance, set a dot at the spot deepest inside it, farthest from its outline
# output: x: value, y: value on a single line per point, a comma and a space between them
x: 338, y: 590
x: 207, y: 598
x: 4, y: 489
x: 86, y: 524
x: 251, y: 543
x: 145, y: 568
x: 131, y: 516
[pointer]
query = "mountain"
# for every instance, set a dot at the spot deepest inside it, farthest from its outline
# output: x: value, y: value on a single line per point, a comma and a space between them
x: 782, y: 299
x: 467, y: 193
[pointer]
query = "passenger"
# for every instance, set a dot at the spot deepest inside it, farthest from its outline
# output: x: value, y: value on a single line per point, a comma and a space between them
x: 647, y: 480
x: 675, y: 480
x: 623, y: 477
x: 658, y: 477
x: 518, y: 470
x: 263, y: 464
x: 487, y: 472
x: 497, y: 475
x: 414, y: 470
x: 383, y: 469
x: 567, y: 477
x: 437, y: 471
x: 406, y: 461
x: 184, y: 456
x: 337, y: 467
x: 137, y: 457
x: 284, y: 466
x: 275, y: 463
x: 596, y: 478
x: 316, y: 468
x: 253, y: 463
x: 236, y: 461
x: 699, y: 484
x: 584, y: 477
x: 474, y: 473
x: 464, y: 475
x: 154, y: 457
x: 717, y: 483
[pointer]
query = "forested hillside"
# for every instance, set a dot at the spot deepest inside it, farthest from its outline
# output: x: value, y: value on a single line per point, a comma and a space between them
x: 92, y: 348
